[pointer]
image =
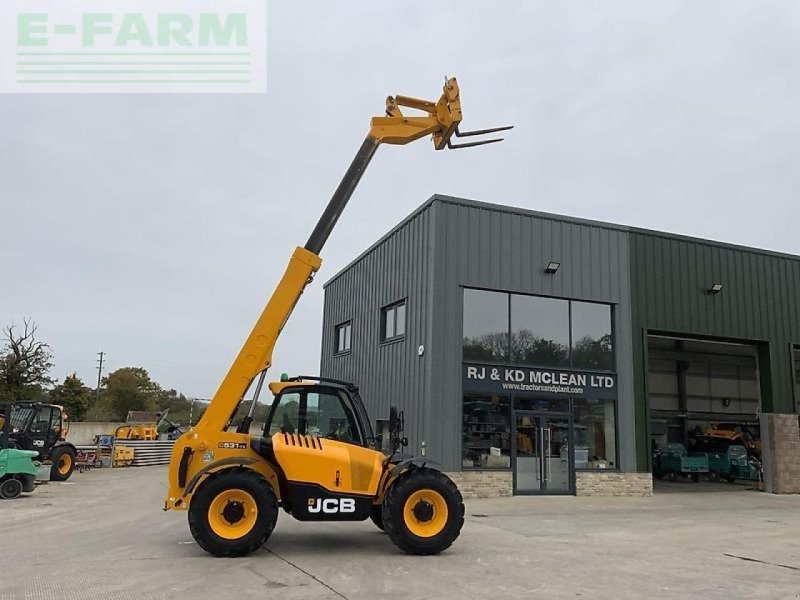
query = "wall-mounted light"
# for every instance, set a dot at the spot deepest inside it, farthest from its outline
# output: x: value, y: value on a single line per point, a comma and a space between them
x: 552, y: 267
x: 714, y: 289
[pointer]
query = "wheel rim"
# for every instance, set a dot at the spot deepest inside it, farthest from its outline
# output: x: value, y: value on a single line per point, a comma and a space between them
x: 232, y: 514
x: 11, y: 488
x: 425, y: 513
x: 64, y: 464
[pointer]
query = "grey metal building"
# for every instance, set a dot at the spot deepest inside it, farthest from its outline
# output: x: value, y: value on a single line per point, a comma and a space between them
x: 537, y: 353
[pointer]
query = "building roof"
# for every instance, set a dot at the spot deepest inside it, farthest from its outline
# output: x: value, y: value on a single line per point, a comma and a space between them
x: 551, y: 217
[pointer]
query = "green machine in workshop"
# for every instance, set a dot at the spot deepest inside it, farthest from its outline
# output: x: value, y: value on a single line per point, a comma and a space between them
x: 17, y: 467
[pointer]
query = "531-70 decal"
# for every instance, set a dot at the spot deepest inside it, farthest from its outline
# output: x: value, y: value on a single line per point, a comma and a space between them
x: 233, y: 445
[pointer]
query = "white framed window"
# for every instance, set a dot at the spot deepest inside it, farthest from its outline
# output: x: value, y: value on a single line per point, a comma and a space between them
x: 344, y: 334
x: 393, y: 321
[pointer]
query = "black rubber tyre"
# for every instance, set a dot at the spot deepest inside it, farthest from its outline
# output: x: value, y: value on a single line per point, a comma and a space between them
x: 672, y: 476
x: 713, y: 476
x: 10, y: 488
x: 402, y: 489
x: 376, y: 516
x: 730, y: 478
x: 695, y: 477
x: 59, y: 454
x: 234, y: 479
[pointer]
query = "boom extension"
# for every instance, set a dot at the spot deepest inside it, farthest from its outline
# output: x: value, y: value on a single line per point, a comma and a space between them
x: 442, y: 123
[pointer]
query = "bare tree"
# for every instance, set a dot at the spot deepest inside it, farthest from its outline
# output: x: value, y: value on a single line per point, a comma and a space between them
x: 25, y: 362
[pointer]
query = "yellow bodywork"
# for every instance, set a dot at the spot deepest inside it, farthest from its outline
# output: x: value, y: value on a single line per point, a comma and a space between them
x: 336, y: 466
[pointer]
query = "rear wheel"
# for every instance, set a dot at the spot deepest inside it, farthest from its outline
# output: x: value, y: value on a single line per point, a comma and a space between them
x: 233, y: 513
x: 10, y: 489
x: 376, y: 516
x: 63, y: 458
x: 423, y: 512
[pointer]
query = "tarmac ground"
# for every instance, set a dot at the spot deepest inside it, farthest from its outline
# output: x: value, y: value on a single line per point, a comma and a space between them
x: 103, y: 535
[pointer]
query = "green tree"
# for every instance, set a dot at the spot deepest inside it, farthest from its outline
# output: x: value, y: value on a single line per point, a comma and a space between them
x: 130, y: 388
x: 25, y: 364
x: 74, y: 396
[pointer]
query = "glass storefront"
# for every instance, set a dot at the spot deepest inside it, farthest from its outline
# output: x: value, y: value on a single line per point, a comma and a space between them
x: 485, y: 326
x: 591, y: 336
x: 550, y: 362
x: 486, y: 439
x: 539, y: 331
x: 595, y: 434
x: 533, y: 330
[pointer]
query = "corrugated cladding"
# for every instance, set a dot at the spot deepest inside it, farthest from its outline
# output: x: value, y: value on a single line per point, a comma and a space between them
x: 398, y: 266
x: 502, y: 248
x: 451, y: 243
x: 759, y: 303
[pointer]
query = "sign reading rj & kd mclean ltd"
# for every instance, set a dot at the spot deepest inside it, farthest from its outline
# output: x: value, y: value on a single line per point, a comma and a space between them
x: 540, y: 381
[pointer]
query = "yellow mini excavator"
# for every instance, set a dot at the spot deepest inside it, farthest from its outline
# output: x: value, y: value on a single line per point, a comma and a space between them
x: 317, y: 458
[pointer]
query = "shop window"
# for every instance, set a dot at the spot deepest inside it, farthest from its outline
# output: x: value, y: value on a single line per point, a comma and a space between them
x: 595, y: 434
x: 393, y: 321
x: 485, y: 326
x: 591, y: 336
x: 486, y: 437
x: 539, y: 331
x: 343, y: 335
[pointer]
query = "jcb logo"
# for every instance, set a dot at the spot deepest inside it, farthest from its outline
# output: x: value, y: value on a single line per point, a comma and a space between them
x: 331, y: 505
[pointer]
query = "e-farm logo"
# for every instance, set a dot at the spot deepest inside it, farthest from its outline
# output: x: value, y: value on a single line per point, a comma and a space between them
x: 144, y: 46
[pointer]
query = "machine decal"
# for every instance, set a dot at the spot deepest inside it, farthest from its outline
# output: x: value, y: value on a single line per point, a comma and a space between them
x: 208, y: 456
x: 233, y: 445
x: 312, y: 502
x: 332, y: 505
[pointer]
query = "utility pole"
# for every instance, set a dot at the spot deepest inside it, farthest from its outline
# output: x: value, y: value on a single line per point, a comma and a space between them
x: 101, y: 354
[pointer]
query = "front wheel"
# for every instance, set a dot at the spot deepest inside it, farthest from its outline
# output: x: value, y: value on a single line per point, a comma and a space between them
x: 10, y: 488
x: 233, y: 513
x: 63, y: 458
x: 423, y: 512
x: 376, y: 516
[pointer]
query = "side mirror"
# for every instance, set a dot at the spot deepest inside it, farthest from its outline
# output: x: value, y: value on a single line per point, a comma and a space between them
x: 394, y: 421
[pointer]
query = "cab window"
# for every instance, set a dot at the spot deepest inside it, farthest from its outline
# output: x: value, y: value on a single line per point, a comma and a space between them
x: 329, y: 416
x: 42, y: 422
x: 286, y: 418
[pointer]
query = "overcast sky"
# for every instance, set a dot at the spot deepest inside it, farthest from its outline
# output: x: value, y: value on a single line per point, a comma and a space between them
x: 154, y: 227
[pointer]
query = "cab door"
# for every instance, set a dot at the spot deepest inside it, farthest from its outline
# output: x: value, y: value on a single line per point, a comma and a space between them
x: 45, y: 429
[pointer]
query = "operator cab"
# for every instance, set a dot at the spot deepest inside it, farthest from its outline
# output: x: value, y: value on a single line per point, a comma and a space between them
x: 324, y: 408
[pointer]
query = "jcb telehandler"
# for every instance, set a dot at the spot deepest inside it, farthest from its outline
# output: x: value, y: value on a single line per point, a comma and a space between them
x: 318, y: 458
x: 42, y: 428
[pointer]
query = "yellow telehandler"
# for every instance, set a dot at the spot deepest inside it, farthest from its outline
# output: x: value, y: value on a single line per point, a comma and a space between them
x: 317, y: 457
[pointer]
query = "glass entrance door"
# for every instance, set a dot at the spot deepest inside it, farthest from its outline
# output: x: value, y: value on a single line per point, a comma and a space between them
x: 542, y: 454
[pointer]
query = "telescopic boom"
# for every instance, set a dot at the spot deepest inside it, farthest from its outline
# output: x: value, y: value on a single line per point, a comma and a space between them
x: 441, y: 122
